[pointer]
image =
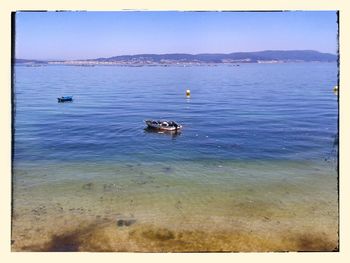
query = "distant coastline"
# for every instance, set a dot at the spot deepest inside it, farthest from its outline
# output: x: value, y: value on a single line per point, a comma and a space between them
x: 269, y: 56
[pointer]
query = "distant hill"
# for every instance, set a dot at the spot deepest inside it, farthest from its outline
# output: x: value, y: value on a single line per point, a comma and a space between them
x: 237, y: 57
x: 29, y: 61
x: 290, y: 55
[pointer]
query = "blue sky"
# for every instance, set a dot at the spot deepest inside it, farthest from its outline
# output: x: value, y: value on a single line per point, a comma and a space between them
x: 81, y: 35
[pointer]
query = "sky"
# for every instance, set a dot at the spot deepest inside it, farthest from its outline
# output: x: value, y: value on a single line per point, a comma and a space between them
x: 84, y: 35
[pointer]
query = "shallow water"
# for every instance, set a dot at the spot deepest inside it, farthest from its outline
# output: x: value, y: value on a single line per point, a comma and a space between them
x: 254, y: 168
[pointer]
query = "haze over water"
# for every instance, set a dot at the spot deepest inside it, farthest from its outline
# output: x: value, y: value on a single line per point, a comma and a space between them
x: 257, y: 153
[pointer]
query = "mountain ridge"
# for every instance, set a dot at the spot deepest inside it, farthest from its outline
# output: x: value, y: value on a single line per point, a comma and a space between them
x: 234, y: 57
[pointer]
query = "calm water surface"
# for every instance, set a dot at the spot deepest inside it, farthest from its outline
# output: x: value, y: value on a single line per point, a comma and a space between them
x: 262, y: 134
x: 279, y: 111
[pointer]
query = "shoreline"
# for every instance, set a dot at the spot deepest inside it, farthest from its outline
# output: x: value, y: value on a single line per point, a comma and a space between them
x: 114, y: 64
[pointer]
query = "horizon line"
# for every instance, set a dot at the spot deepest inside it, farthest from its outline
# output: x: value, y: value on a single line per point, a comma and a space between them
x: 181, y: 53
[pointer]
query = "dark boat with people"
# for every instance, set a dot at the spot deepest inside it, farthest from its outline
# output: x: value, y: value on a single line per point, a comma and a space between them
x: 163, y: 125
x: 65, y: 98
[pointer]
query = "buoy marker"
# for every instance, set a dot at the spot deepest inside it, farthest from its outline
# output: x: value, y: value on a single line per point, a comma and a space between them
x: 335, y: 90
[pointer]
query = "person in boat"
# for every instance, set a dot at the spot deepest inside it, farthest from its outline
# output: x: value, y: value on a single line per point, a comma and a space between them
x: 173, y: 123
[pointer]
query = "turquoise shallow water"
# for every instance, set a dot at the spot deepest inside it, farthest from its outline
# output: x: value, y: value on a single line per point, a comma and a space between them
x: 258, y: 154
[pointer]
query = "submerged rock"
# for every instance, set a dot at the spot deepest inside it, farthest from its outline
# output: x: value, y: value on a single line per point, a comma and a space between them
x: 168, y: 169
x: 110, y: 187
x: 125, y: 222
x: 88, y: 186
x: 143, y: 180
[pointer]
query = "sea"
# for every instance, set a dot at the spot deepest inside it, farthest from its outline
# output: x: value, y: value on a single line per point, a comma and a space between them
x: 254, y: 167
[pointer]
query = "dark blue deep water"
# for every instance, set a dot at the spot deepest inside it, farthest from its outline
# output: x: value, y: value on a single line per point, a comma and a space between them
x: 255, y: 111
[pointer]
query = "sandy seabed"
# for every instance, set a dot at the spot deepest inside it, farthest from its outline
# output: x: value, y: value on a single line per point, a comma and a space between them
x: 150, y: 212
x: 104, y: 235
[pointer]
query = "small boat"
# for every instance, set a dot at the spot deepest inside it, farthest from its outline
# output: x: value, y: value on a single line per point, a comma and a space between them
x: 163, y: 125
x: 65, y: 98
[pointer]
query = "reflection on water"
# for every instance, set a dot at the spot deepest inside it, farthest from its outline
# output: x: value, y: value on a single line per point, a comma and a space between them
x: 173, y: 134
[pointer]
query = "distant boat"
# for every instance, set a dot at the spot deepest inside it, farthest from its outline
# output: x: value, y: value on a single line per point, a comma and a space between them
x: 65, y: 98
x: 163, y: 125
